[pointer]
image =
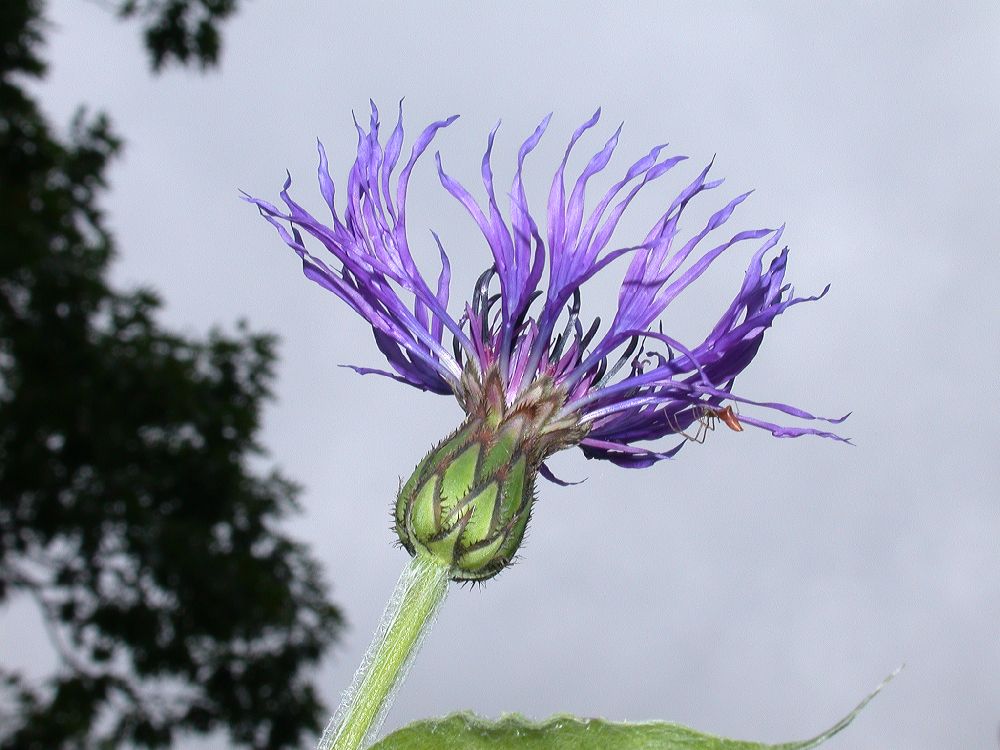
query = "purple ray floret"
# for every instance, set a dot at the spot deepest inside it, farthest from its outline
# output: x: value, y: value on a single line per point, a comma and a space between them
x: 629, y: 384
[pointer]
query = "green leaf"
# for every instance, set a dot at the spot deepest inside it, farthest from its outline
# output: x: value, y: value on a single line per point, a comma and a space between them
x: 466, y: 731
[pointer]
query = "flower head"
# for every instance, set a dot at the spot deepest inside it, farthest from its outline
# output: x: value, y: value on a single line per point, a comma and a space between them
x: 532, y: 373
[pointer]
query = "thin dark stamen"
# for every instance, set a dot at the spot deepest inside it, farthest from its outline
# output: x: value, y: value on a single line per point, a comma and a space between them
x: 589, y: 336
x: 524, y: 313
x: 485, y: 316
x: 670, y: 351
x: 573, y: 311
x: 602, y: 379
x: 602, y: 366
x: 482, y: 287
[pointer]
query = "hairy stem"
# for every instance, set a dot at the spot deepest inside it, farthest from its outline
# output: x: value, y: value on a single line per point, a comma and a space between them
x: 407, y: 618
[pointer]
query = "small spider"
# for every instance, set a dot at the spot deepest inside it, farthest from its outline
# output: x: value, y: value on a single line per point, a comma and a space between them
x: 706, y: 422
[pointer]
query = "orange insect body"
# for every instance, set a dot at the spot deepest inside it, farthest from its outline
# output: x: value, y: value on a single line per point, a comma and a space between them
x: 729, y: 418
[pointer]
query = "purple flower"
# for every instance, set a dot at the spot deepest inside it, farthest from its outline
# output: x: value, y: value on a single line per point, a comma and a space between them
x: 623, y: 384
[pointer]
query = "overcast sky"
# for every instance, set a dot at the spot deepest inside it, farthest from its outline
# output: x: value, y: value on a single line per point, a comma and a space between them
x: 752, y: 587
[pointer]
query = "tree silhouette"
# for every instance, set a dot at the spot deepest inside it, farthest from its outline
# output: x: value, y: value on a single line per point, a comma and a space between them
x: 180, y: 31
x: 131, y: 513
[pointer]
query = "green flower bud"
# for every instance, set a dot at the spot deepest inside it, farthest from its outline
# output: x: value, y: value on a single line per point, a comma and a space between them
x: 469, y: 500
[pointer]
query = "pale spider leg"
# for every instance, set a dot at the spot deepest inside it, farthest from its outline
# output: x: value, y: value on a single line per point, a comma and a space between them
x: 705, y: 424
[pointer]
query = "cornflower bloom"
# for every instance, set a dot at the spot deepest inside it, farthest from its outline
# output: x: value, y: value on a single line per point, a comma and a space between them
x: 532, y: 374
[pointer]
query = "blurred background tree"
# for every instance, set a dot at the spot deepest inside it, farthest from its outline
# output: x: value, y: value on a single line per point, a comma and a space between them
x: 179, y: 31
x: 133, y: 511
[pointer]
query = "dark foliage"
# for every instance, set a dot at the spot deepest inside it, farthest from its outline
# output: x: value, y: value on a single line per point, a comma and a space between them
x: 131, y: 509
x: 182, y: 31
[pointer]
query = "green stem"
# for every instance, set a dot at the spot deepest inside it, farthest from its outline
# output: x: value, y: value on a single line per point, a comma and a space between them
x: 408, y: 616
